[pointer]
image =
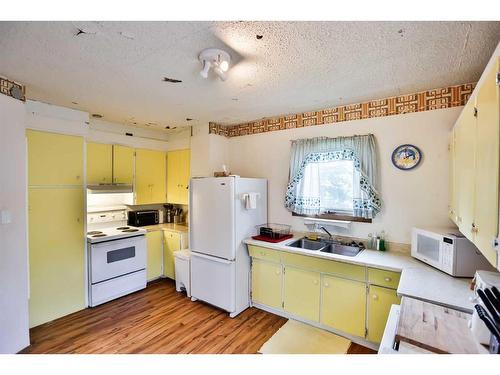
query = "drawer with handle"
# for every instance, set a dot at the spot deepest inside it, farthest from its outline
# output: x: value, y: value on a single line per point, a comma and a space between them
x: 264, y: 253
x: 388, y: 279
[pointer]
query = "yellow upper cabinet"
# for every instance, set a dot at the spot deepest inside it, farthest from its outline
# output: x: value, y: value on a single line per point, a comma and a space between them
x: 452, y: 203
x: 487, y: 164
x: 465, y: 162
x: 150, y: 176
x: 123, y: 165
x: 476, y: 164
x: 99, y: 163
x: 54, y: 159
x: 178, y: 173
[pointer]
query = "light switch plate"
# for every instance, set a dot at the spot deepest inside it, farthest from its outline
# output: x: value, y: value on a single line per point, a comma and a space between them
x: 5, y: 217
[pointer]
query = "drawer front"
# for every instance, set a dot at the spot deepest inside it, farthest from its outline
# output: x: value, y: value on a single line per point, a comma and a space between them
x: 264, y: 253
x: 389, y: 279
x: 346, y: 270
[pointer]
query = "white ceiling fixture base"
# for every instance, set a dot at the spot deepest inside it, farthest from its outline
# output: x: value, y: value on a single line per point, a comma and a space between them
x: 216, y: 59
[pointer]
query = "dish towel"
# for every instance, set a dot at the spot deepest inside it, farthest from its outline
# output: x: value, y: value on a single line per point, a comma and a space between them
x: 250, y: 200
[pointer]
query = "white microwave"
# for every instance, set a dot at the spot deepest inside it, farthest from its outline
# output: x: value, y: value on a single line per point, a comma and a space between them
x: 447, y: 250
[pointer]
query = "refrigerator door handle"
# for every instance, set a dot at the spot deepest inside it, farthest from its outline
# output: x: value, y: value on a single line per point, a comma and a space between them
x: 214, y: 259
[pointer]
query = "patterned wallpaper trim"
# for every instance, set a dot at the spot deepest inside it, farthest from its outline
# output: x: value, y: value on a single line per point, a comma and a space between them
x: 6, y: 87
x: 452, y: 96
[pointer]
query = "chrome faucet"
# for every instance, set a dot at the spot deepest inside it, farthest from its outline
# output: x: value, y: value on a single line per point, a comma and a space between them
x: 327, y: 232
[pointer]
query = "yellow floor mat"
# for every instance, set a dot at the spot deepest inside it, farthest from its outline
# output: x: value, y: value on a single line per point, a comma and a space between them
x: 298, y: 338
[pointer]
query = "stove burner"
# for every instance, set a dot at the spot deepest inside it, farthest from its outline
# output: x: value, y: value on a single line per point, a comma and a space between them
x: 122, y: 228
x: 100, y: 235
x: 130, y: 230
x: 94, y: 232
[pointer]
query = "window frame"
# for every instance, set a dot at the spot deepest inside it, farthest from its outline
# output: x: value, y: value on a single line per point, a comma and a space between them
x: 336, y: 216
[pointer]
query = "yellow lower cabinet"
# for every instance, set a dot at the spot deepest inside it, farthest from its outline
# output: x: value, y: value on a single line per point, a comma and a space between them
x: 171, y: 243
x: 302, y: 293
x: 56, y: 253
x: 267, y: 282
x: 380, y: 301
x: 155, y: 254
x: 343, y: 305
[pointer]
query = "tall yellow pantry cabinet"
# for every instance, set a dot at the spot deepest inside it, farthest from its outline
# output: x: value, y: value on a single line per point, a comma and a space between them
x: 56, y: 224
x: 475, y: 155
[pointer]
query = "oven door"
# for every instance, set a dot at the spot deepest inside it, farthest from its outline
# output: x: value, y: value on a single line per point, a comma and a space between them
x: 427, y: 246
x: 116, y: 258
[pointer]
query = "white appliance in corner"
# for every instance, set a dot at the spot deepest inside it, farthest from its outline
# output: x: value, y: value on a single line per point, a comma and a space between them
x: 220, y: 218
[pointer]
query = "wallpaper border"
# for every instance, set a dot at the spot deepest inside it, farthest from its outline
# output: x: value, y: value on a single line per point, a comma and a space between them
x: 6, y: 86
x: 447, y: 97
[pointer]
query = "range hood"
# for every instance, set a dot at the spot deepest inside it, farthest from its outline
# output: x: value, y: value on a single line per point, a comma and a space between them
x: 110, y: 188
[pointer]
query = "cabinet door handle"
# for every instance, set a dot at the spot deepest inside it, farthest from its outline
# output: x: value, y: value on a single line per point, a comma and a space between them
x: 77, y: 177
x: 387, y: 279
x: 327, y: 285
x: 278, y: 272
x: 375, y: 297
x: 263, y: 253
x: 315, y: 282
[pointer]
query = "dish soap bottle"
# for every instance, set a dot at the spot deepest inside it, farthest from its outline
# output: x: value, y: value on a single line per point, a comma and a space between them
x: 381, y: 241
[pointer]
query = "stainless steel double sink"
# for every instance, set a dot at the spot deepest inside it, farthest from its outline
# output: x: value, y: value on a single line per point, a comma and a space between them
x: 326, y: 246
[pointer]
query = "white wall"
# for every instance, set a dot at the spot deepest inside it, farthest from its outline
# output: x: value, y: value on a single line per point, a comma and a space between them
x: 208, y: 152
x: 14, y: 334
x: 48, y: 117
x: 410, y: 198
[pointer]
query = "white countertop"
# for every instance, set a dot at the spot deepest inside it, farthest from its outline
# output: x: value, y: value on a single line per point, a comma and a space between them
x: 418, y: 280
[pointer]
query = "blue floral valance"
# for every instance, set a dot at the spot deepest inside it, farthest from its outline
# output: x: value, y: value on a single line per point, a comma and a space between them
x: 361, y: 150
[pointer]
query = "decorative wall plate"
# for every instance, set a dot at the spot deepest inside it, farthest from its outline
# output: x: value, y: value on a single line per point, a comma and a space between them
x: 406, y: 157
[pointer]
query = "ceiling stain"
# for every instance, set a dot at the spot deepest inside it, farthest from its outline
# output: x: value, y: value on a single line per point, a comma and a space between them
x: 171, y: 80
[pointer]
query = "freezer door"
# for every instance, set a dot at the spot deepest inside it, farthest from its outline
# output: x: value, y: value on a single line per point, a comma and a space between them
x: 213, y: 281
x: 212, y: 217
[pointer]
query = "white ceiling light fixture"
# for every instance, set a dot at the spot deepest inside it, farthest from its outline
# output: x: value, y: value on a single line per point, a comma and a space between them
x: 217, y: 59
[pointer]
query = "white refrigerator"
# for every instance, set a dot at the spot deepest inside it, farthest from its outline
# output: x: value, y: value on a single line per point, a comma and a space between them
x: 223, y: 211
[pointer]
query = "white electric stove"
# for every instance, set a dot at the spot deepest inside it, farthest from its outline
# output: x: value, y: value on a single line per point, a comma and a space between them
x: 114, y: 233
x: 116, y: 255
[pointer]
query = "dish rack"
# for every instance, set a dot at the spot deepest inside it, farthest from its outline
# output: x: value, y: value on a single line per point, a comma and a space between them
x: 273, y: 231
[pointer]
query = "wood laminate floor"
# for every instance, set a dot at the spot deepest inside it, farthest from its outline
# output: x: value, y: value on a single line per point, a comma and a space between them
x: 158, y: 320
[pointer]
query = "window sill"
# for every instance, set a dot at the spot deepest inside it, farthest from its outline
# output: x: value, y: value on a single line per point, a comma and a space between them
x: 335, y: 218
